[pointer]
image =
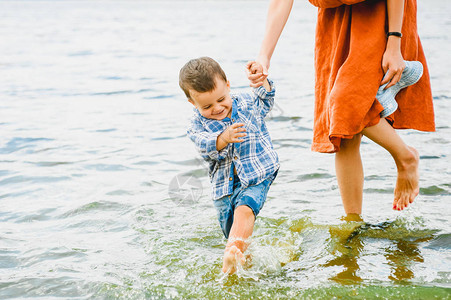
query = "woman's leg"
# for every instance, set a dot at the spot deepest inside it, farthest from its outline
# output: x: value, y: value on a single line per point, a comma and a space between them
x: 406, y: 159
x: 349, y: 170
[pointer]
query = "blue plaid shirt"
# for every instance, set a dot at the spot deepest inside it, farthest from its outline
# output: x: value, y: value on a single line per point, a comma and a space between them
x: 254, y: 159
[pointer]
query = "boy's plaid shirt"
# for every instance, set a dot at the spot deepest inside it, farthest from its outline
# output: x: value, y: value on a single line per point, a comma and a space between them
x: 254, y: 159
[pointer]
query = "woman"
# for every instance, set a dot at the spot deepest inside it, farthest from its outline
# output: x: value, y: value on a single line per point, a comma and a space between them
x: 352, y: 54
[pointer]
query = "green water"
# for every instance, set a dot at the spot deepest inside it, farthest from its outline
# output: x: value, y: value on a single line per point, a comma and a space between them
x: 295, y: 259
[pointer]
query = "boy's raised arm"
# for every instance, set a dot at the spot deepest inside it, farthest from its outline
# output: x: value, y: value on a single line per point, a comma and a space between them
x: 265, y: 93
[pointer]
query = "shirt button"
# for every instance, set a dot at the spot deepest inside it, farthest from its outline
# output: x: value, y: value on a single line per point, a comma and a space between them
x: 233, y: 120
x: 235, y: 158
x: 230, y: 178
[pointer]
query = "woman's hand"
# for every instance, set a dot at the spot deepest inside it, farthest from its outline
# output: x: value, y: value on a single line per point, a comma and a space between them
x: 392, y: 62
x: 257, y: 72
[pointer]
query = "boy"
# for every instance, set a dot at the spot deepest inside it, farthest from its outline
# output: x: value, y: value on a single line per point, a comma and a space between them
x: 229, y: 132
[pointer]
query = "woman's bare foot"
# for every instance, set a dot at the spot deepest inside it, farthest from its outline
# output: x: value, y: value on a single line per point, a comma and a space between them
x: 232, y: 257
x: 407, y: 183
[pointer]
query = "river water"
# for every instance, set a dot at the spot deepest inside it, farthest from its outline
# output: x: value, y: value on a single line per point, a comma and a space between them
x: 93, y: 151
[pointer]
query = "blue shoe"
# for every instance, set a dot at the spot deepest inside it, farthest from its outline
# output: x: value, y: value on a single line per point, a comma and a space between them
x: 411, y: 74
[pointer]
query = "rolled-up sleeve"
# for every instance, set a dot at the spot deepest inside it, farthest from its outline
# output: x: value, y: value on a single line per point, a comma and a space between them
x: 333, y: 3
x: 265, y: 99
x: 205, y: 142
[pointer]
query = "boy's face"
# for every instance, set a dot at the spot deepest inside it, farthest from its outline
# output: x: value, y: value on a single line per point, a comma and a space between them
x: 216, y: 104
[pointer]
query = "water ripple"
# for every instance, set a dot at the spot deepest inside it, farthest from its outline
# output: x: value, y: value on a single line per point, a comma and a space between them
x: 19, y: 143
x: 441, y: 241
x: 27, y: 179
x: 434, y: 190
x: 95, y: 206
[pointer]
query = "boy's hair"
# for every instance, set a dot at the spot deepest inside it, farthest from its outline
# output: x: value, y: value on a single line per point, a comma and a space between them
x: 199, y: 74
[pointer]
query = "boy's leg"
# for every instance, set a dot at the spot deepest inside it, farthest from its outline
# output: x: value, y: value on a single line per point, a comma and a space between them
x: 248, y: 204
x: 224, y: 209
x: 242, y: 227
x: 406, y: 159
x: 349, y: 171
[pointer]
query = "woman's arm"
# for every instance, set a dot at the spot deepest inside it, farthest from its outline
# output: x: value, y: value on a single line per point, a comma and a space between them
x: 392, y: 59
x: 278, y: 13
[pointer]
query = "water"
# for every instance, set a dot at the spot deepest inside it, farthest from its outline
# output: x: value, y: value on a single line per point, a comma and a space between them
x: 92, y: 127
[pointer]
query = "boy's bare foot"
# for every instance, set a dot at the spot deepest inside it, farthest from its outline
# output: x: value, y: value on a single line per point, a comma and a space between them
x: 232, y: 257
x: 407, y: 183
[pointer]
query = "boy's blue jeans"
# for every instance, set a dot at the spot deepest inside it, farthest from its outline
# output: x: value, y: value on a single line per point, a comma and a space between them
x: 253, y: 196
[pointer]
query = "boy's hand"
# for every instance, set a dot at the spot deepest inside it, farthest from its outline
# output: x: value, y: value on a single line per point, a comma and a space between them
x: 232, y: 134
x: 256, y: 73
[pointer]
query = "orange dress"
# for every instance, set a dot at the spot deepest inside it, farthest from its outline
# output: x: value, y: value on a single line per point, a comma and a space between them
x: 350, y: 42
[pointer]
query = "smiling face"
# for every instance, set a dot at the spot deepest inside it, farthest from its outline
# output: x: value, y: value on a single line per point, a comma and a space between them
x: 216, y: 104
